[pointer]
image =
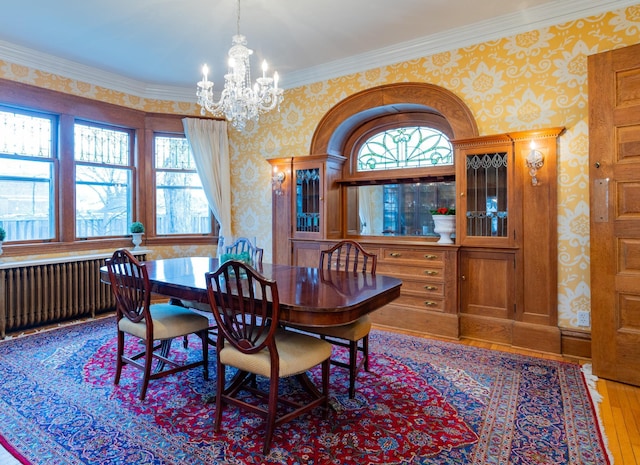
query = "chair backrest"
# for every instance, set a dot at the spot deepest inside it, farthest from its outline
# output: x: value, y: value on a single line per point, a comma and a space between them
x: 348, y: 255
x: 242, y: 245
x: 245, y: 305
x: 130, y: 285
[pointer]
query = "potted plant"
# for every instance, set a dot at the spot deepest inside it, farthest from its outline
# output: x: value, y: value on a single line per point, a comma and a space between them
x: 137, y: 229
x: 444, y: 220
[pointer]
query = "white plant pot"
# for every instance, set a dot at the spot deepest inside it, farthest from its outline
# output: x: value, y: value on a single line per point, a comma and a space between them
x: 136, y: 238
x: 445, y: 225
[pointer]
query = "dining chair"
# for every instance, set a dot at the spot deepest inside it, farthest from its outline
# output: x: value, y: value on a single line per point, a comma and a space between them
x: 240, y: 246
x: 348, y: 255
x: 161, y: 322
x: 246, y: 307
x: 244, y: 245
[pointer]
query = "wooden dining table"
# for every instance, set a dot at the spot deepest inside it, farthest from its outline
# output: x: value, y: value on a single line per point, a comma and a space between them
x: 308, y: 296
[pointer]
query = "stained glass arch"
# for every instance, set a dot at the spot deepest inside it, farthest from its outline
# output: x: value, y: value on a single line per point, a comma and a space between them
x: 405, y: 147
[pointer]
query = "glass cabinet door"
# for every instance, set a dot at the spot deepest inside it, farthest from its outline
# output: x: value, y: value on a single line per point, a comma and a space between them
x: 487, y: 208
x: 485, y: 196
x: 307, y: 200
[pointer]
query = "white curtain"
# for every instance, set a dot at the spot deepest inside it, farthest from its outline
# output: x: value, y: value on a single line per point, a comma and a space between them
x: 366, y: 208
x: 210, y: 148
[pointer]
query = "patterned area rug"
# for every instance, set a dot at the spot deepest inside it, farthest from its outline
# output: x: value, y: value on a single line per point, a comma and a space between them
x: 424, y: 402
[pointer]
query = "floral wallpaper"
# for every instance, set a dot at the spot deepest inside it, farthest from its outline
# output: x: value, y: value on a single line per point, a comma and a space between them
x: 536, y: 79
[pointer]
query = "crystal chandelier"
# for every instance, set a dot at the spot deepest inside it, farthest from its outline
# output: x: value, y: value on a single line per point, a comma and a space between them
x: 239, y: 101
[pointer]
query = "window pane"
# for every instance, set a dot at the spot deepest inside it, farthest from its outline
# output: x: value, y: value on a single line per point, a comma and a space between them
x: 407, y: 147
x: 100, y: 145
x: 181, y: 206
x: 26, y: 199
x: 174, y: 153
x: 25, y: 135
x: 102, y: 201
x: 27, y: 158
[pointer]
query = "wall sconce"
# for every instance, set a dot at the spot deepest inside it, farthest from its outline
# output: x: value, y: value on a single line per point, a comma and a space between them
x: 534, y: 161
x: 276, y: 181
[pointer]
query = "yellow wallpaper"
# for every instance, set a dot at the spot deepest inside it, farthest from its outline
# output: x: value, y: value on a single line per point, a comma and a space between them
x: 532, y: 80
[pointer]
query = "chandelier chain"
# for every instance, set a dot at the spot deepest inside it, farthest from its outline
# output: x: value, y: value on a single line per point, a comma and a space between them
x: 238, y: 19
x: 240, y: 102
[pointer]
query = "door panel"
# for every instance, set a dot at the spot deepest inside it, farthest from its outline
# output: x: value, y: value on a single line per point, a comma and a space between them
x: 614, y: 156
x: 487, y: 284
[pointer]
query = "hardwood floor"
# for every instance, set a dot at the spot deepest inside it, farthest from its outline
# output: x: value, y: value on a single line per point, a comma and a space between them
x: 619, y: 409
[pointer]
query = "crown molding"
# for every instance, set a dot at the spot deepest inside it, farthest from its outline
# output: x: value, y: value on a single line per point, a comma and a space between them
x: 79, y: 72
x: 555, y: 12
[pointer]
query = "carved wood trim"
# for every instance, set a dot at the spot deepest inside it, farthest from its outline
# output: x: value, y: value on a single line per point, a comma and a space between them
x: 340, y: 121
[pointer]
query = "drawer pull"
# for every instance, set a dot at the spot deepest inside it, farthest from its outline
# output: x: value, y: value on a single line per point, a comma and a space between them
x: 430, y: 257
x: 428, y: 303
x: 431, y: 288
x: 430, y: 272
x: 395, y: 254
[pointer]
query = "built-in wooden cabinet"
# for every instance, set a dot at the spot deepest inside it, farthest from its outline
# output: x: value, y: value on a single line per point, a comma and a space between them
x: 497, y: 282
x: 306, y: 208
x: 316, y: 197
x: 508, y: 235
x: 428, y: 297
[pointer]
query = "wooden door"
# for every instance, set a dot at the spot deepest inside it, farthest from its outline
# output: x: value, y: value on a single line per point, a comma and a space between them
x: 614, y: 174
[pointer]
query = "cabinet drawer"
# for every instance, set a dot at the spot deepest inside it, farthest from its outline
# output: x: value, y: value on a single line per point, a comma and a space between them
x: 428, y: 288
x: 434, y: 271
x: 421, y: 302
x: 390, y: 254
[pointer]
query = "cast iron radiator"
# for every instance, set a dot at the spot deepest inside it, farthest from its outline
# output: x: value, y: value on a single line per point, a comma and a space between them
x: 40, y: 293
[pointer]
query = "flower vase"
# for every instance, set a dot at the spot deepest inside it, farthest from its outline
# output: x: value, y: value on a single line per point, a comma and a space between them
x: 136, y: 238
x: 445, y: 225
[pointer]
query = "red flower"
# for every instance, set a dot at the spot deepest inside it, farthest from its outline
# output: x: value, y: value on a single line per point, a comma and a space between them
x: 444, y: 211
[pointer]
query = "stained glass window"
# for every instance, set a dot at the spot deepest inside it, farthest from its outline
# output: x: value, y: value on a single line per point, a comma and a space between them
x: 405, y: 147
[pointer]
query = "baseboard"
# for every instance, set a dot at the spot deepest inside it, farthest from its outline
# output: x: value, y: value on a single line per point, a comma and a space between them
x: 549, y: 339
x: 419, y: 321
x: 537, y: 337
x: 576, y: 343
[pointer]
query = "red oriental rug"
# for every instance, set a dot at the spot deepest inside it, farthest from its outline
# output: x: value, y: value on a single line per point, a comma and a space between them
x: 424, y: 402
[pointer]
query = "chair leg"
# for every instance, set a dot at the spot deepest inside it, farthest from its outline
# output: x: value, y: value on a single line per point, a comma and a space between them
x: 365, y: 352
x: 120, y: 353
x: 271, y: 413
x: 221, y: 375
x: 353, y: 367
x: 148, y: 362
x: 326, y: 370
x: 205, y: 353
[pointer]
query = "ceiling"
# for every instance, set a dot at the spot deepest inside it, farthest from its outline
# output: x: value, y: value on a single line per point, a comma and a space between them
x: 156, y: 48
